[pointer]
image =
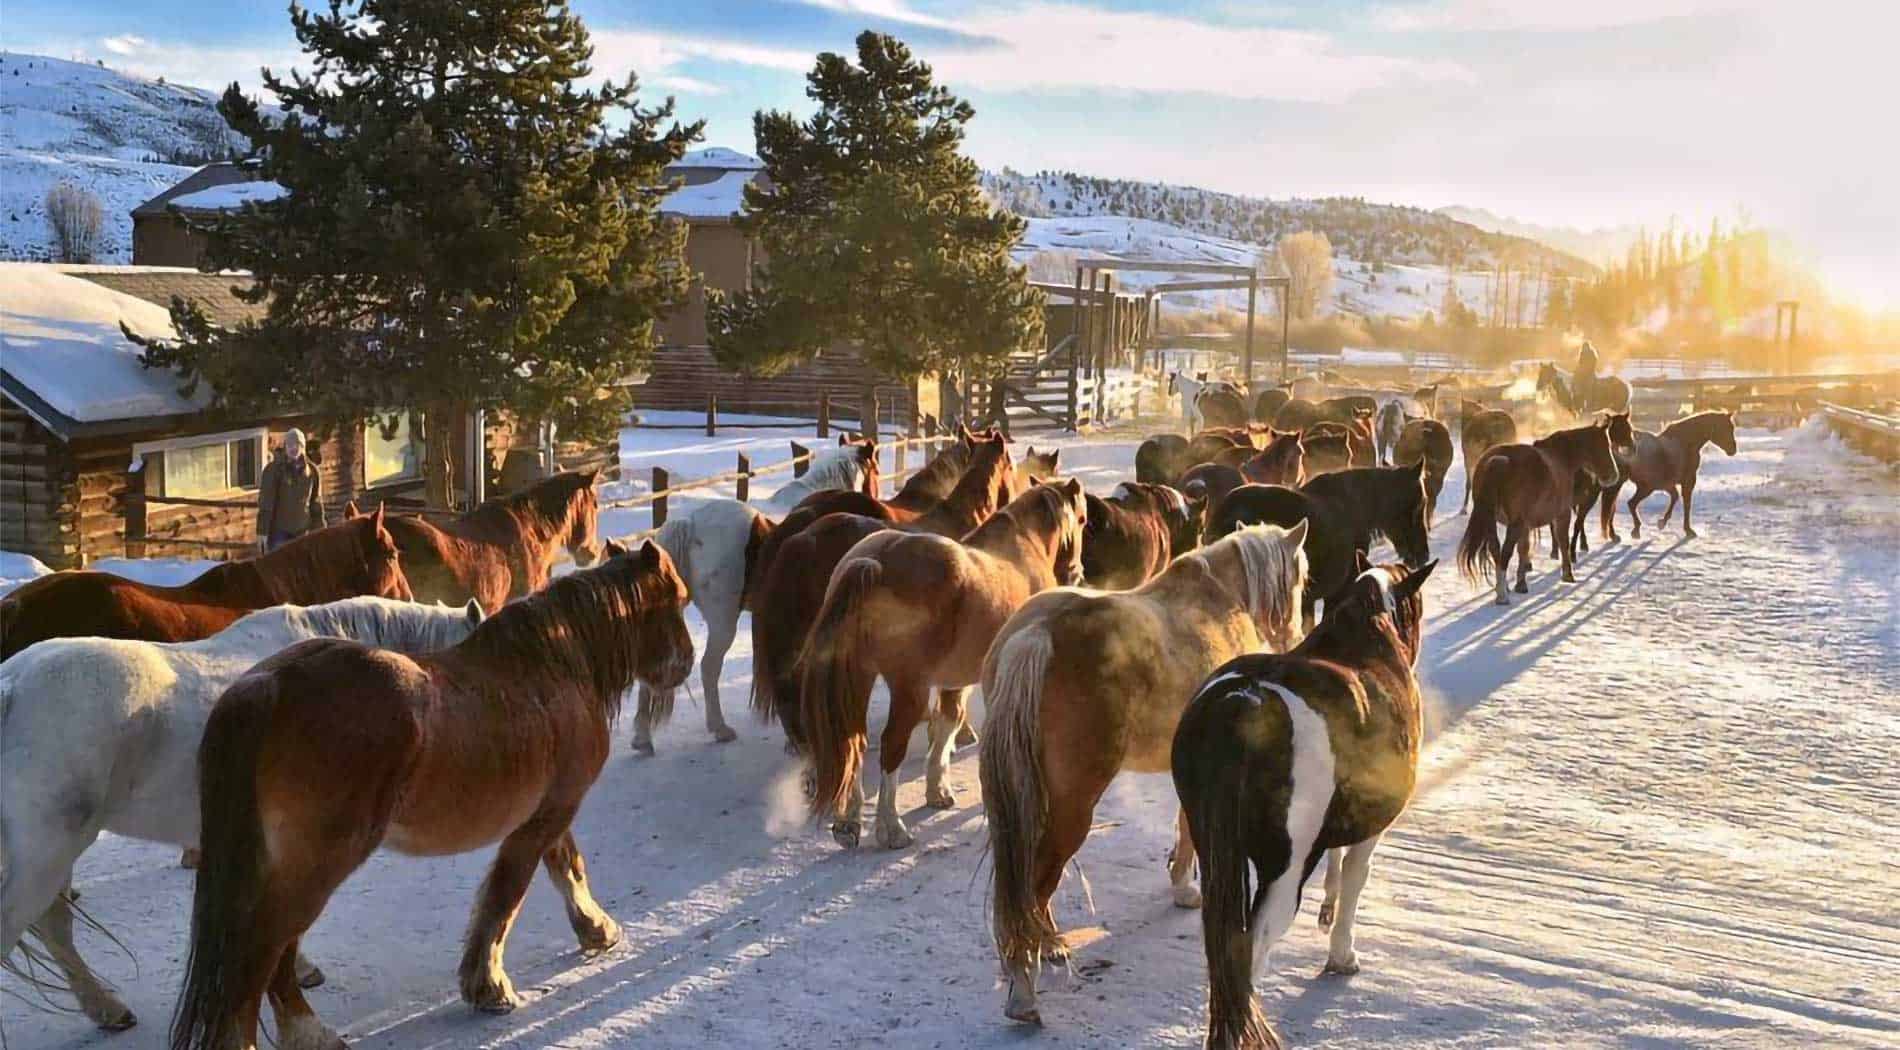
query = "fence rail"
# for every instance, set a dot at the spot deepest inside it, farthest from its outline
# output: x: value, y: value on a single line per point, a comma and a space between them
x: 1871, y: 432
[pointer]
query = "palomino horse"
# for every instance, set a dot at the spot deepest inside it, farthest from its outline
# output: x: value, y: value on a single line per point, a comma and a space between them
x: 1580, y: 395
x: 102, y: 735
x: 1526, y: 487
x: 1480, y: 430
x: 1133, y: 534
x: 343, y: 561
x: 921, y: 611
x: 1668, y: 462
x: 1426, y: 441
x: 1280, y: 758
x: 716, y: 547
x: 792, y: 588
x: 1346, y: 510
x: 331, y: 749
x: 504, y: 548
x: 1282, y: 462
x: 1081, y: 686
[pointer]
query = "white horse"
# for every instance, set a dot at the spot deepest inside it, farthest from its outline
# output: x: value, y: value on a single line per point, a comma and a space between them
x: 1190, y: 391
x: 102, y: 735
x: 711, y: 545
x: 1391, y: 425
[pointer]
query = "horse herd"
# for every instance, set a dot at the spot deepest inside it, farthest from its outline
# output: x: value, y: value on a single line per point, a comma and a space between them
x: 1218, y: 617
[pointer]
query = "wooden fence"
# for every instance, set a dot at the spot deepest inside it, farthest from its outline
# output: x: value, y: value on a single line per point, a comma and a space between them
x: 1875, y: 434
x: 868, y: 416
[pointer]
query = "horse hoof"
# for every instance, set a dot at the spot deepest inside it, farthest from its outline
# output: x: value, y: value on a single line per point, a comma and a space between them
x: 311, y: 978
x: 940, y: 798
x: 1055, y: 952
x: 1024, y: 1015
x: 496, y: 1000
x: 1522, y: 588
x: 894, y: 836
x: 1344, y: 968
x: 848, y: 833
x: 1187, y: 897
x: 1688, y: 534
x: 724, y: 735
x: 117, y: 1020
x: 643, y: 748
x: 599, y: 938
x: 1569, y: 578
x: 189, y: 859
x: 1502, y: 600
x: 1326, y: 915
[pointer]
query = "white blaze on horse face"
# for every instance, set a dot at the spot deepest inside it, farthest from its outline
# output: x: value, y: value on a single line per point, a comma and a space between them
x: 1383, y: 577
x: 1308, y: 797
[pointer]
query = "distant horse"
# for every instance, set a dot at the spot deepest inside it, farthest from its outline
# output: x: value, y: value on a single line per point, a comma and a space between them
x: 792, y: 588
x: 1584, y: 489
x: 1346, y: 512
x: 1348, y: 407
x: 502, y: 549
x: 1524, y: 488
x: 921, y: 611
x: 343, y: 561
x: 1426, y: 441
x: 1281, y: 758
x: 1162, y: 459
x: 1269, y: 403
x: 1581, y: 395
x: 1081, y: 686
x: 716, y: 547
x: 1668, y: 462
x: 330, y: 749
x: 1296, y: 414
x: 102, y: 735
x: 1222, y: 405
x: 1133, y: 534
x: 1480, y: 430
x: 1387, y: 427
x: 1190, y: 392
x: 1205, y: 485
x: 1328, y: 449
x: 1282, y: 462
x: 1040, y: 466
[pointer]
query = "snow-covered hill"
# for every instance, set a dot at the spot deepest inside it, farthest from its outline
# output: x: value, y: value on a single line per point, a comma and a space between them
x: 1601, y: 246
x: 119, y: 136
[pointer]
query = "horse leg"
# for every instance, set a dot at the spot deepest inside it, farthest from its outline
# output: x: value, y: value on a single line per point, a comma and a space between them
x: 1523, y: 534
x: 1340, y: 957
x: 1504, y: 562
x: 297, y: 1025
x: 1071, y: 810
x: 945, y: 721
x: 1606, y: 515
x: 1636, y: 521
x: 1670, y: 510
x: 55, y: 931
x: 1181, y: 865
x: 908, y: 702
x: 643, y: 722
x: 1562, y: 524
x: 720, y: 631
x: 1688, y: 496
x: 1329, y: 907
x: 485, y: 985
x: 596, y: 931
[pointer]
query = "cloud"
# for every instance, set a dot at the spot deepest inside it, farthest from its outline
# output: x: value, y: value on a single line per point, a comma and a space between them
x: 124, y: 45
x: 657, y: 57
x: 888, y: 10
x: 1542, y: 15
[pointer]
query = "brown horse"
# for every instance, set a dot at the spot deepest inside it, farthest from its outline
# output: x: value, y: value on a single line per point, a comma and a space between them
x: 503, y: 549
x: 1584, y: 488
x: 1583, y: 393
x: 1480, y: 430
x: 1223, y: 405
x: 1296, y: 414
x: 1426, y: 441
x: 330, y: 749
x: 1282, y: 462
x: 1328, y: 448
x: 1134, y: 533
x: 1269, y: 403
x: 1162, y: 459
x: 1668, y: 462
x: 791, y: 588
x: 1082, y: 686
x: 1206, y: 485
x: 920, y: 611
x: 343, y: 561
x: 1526, y: 487
x: 1281, y: 758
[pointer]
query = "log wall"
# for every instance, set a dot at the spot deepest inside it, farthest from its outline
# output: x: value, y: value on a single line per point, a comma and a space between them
x: 38, y: 491
x: 680, y: 377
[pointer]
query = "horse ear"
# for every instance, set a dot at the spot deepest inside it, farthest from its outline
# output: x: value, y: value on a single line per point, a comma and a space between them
x: 841, y: 441
x: 799, y: 451
x: 378, y: 517
x: 649, y: 554
x: 1073, y: 488
x: 474, y: 612
x: 1055, y: 457
x: 1413, y: 582
x: 350, y: 513
x: 1360, y: 563
x: 1297, y: 534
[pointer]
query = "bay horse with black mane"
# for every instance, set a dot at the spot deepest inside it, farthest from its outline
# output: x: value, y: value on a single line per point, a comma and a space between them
x: 331, y: 749
x: 1524, y: 488
x: 1426, y: 441
x: 920, y: 611
x: 503, y: 549
x: 343, y: 561
x: 1347, y: 510
x: 1134, y: 533
x: 1668, y: 462
x: 1280, y: 758
x: 1480, y: 430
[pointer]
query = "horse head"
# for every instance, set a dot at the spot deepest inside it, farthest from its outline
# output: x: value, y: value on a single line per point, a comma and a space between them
x: 1599, y: 458
x: 1724, y: 433
x: 1041, y: 465
x: 1408, y: 529
x: 1071, y: 525
x: 583, y: 517
x: 1622, y: 435
x: 381, y: 559
x: 1392, y: 592
x: 664, y: 651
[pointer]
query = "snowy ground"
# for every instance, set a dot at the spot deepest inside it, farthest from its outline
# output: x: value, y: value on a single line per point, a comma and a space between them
x: 1656, y: 812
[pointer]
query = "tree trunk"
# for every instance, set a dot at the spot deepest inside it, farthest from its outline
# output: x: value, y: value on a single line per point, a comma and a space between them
x: 443, y: 453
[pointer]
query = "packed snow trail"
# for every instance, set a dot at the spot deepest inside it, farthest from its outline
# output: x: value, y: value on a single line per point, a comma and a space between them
x: 1656, y: 810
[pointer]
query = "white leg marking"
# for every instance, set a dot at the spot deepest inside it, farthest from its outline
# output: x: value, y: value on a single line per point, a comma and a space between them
x: 943, y: 745
x: 1330, y: 905
x: 1340, y: 957
x: 891, y: 832
x: 1311, y: 793
x: 1181, y: 865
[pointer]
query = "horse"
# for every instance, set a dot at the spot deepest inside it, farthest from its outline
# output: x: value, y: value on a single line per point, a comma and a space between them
x: 1348, y: 407
x: 1222, y: 405
x: 331, y: 749
x: 848, y: 466
x: 1584, y: 488
x: 343, y: 561
x: 102, y: 735
x: 1206, y: 484
x: 1162, y: 459
x: 1040, y: 466
x: 1581, y: 395
x: 1668, y: 462
x: 792, y: 587
x: 1297, y: 413
x: 716, y: 546
x: 1133, y: 534
x: 1346, y: 510
x: 1282, y: 462
x: 1280, y: 758
x: 1426, y: 441
x: 1328, y: 448
x: 1269, y: 403
x: 1526, y: 487
x: 1190, y: 391
x: 921, y: 611
x: 1082, y: 686
x: 1480, y: 430
x: 1387, y: 427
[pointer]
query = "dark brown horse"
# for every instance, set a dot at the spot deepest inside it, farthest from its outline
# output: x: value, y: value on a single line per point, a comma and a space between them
x: 343, y: 561
x: 331, y: 749
x: 1426, y: 441
x: 1133, y: 534
x: 1223, y: 405
x: 1584, y: 488
x: 1279, y: 759
x: 1296, y: 414
x: 1668, y: 462
x: 1524, y: 488
x: 1328, y: 448
x: 1268, y: 404
x: 1480, y: 430
x: 1162, y: 459
x: 1206, y: 485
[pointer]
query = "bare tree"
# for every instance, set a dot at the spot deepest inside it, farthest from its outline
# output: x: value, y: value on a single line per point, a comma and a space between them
x: 1307, y: 257
x: 77, y: 220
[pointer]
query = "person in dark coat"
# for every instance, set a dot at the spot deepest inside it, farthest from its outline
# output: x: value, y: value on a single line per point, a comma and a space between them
x: 290, y: 494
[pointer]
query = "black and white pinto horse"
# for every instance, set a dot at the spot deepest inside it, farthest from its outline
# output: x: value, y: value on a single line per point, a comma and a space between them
x: 1280, y: 758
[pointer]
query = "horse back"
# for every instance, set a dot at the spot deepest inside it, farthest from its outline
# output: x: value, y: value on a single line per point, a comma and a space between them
x: 444, y: 567
x: 98, y: 604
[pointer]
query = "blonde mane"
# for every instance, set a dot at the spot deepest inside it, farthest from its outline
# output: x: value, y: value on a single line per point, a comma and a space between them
x: 1263, y: 555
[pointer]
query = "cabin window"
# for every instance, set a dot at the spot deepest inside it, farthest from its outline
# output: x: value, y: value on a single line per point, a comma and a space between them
x: 205, y: 469
x: 388, y: 460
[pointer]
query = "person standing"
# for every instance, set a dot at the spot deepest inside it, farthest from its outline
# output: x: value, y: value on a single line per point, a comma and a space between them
x: 290, y: 494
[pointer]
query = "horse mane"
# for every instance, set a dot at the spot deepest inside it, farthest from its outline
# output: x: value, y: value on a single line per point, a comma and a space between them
x: 584, y: 627
x: 1696, y: 420
x: 547, y: 499
x: 1042, y: 504
x: 1565, y: 437
x: 310, y: 568
x: 940, y: 476
x: 835, y: 468
x: 385, y: 623
x: 676, y: 537
x: 1262, y: 551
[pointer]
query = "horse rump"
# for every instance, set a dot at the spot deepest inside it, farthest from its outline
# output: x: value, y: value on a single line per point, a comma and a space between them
x: 1478, y: 548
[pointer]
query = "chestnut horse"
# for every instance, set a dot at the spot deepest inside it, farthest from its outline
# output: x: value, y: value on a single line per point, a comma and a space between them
x: 502, y: 549
x: 1082, y: 686
x: 330, y: 749
x: 1524, y: 488
x: 1133, y: 534
x: 1426, y: 441
x: 1328, y: 448
x: 1281, y: 758
x: 921, y: 611
x: 1668, y: 462
x: 1480, y: 430
x: 343, y: 561
x: 1282, y: 462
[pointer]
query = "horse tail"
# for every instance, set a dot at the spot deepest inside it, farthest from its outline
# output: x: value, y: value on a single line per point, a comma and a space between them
x: 230, y: 885
x: 1010, y: 768
x: 754, y: 543
x: 1478, y: 550
x: 777, y: 633
x: 836, y: 685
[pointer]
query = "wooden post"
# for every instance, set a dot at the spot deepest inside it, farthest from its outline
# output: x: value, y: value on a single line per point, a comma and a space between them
x: 903, y: 447
x: 869, y: 421
x: 743, y: 487
x: 1253, y: 289
x: 712, y: 414
x: 824, y: 413
x: 659, y: 489
x: 1286, y: 348
x: 801, y: 460
x: 135, y: 517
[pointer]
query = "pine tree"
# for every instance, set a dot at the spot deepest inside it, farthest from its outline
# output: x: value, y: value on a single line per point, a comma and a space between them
x: 463, y: 226
x: 874, y: 232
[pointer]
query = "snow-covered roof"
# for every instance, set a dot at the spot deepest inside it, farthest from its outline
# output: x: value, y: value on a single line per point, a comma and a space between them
x: 61, y: 340
x: 719, y: 157
x: 720, y: 198
x: 228, y: 196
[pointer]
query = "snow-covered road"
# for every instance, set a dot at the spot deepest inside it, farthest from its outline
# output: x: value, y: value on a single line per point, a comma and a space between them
x: 1657, y: 811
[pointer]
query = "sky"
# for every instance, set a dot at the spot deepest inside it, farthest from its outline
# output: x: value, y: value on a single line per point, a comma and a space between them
x: 1584, y: 113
